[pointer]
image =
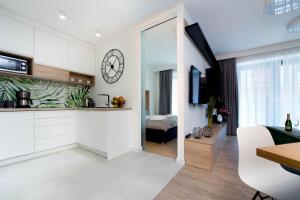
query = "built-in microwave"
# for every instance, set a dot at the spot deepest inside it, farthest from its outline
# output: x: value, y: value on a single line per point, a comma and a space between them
x: 16, y: 65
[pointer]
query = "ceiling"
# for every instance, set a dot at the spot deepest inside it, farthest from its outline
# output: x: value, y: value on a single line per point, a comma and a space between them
x: 229, y: 25
x: 159, y: 46
x: 235, y: 25
x: 85, y: 17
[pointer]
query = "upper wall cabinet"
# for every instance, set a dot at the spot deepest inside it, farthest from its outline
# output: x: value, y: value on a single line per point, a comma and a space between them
x: 16, y: 37
x: 82, y: 59
x: 50, y: 50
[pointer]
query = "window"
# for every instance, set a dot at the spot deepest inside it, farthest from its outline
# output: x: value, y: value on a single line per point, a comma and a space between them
x: 269, y: 88
x: 174, y: 93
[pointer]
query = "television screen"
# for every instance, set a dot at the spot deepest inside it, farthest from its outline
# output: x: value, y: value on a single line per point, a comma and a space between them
x: 195, y: 86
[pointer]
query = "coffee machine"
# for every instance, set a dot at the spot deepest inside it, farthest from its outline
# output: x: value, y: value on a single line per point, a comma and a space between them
x: 23, y: 99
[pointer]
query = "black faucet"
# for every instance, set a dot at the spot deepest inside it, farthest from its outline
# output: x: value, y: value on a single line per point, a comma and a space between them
x: 108, y: 99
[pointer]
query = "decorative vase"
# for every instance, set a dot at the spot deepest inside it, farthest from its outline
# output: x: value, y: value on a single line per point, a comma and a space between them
x: 219, y: 118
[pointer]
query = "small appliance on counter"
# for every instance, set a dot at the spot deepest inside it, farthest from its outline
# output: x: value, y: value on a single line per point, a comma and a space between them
x: 23, y: 99
x: 2, y: 103
x: 89, y: 102
x: 9, y: 104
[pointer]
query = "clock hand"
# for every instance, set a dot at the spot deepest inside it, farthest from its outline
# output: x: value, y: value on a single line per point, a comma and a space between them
x: 109, y: 70
x: 115, y: 61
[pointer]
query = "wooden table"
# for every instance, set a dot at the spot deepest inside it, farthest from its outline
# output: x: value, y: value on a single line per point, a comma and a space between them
x: 285, y: 154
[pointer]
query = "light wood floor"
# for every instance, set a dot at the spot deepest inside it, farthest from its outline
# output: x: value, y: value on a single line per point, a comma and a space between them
x: 221, y: 184
x: 168, y: 149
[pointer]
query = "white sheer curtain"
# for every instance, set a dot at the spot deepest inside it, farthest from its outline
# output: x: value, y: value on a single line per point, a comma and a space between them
x: 269, y: 88
x: 174, y: 93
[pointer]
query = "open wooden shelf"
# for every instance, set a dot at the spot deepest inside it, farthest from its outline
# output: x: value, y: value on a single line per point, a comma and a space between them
x: 10, y: 74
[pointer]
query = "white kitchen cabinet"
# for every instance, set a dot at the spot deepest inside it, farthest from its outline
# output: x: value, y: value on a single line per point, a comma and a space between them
x: 109, y: 132
x: 16, y: 37
x: 54, y: 129
x: 17, y: 136
x: 82, y: 58
x: 119, y: 124
x: 92, y: 130
x: 51, y: 50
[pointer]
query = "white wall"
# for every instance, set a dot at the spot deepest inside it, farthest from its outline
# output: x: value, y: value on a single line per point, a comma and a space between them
x: 129, y: 85
x: 151, y: 78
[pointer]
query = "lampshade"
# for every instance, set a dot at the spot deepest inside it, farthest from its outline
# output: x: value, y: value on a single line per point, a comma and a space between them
x: 294, y: 26
x: 278, y: 7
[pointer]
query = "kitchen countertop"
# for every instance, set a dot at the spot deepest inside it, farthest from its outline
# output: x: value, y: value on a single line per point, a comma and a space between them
x: 61, y: 109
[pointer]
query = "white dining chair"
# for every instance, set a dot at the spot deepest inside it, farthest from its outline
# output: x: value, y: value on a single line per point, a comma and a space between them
x: 261, y: 174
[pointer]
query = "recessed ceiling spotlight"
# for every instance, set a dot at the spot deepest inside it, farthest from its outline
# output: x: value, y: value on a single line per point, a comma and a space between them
x: 62, y: 15
x: 294, y: 26
x: 98, y: 34
x: 279, y: 7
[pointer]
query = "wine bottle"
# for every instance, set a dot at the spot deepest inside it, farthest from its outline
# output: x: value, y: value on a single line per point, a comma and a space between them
x: 288, y: 123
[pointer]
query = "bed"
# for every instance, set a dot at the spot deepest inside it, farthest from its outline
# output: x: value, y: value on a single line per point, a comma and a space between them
x: 161, y: 128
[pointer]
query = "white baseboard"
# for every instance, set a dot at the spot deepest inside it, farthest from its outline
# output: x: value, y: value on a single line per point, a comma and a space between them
x: 180, y: 161
x: 101, y: 153
x: 137, y: 149
x: 35, y: 155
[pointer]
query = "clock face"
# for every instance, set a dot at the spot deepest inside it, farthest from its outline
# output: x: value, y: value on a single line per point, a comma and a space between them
x: 112, y: 66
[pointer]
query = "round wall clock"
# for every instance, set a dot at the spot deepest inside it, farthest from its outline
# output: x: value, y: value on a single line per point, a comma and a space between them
x: 112, y: 66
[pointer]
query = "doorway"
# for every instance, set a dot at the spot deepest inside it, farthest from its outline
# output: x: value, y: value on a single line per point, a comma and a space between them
x: 159, y: 89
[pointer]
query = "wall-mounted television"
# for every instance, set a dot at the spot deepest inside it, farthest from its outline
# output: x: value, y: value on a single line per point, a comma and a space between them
x: 195, y: 86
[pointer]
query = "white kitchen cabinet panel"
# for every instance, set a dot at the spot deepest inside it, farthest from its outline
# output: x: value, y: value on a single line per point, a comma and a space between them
x: 17, y: 136
x: 109, y: 132
x: 54, y: 121
x: 54, y: 142
x: 119, y: 131
x: 54, y: 130
x: 92, y: 130
x: 82, y: 59
x: 55, y: 114
x: 16, y: 37
x: 51, y: 50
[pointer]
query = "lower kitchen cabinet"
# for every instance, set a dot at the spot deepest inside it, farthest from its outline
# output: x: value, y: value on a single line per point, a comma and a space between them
x: 17, y: 134
x: 54, y: 129
x: 108, y: 132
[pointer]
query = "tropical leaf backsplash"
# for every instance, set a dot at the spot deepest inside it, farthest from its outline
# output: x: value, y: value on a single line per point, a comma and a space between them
x: 45, y: 94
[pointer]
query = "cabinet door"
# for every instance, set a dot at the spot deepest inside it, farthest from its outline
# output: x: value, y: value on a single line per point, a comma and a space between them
x: 50, y: 50
x: 54, y: 129
x: 17, y: 137
x: 82, y: 59
x: 119, y: 132
x: 16, y: 37
x: 93, y: 130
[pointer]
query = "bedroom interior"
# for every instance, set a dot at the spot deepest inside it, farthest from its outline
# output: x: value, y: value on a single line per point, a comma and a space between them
x: 160, y: 90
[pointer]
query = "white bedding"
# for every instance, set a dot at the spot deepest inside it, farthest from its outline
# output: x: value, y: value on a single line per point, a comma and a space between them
x: 161, y: 122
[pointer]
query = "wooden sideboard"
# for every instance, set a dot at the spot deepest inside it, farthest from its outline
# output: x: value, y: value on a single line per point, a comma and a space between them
x: 202, y: 153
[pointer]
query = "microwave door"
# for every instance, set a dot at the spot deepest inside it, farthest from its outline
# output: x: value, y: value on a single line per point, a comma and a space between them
x: 9, y: 65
